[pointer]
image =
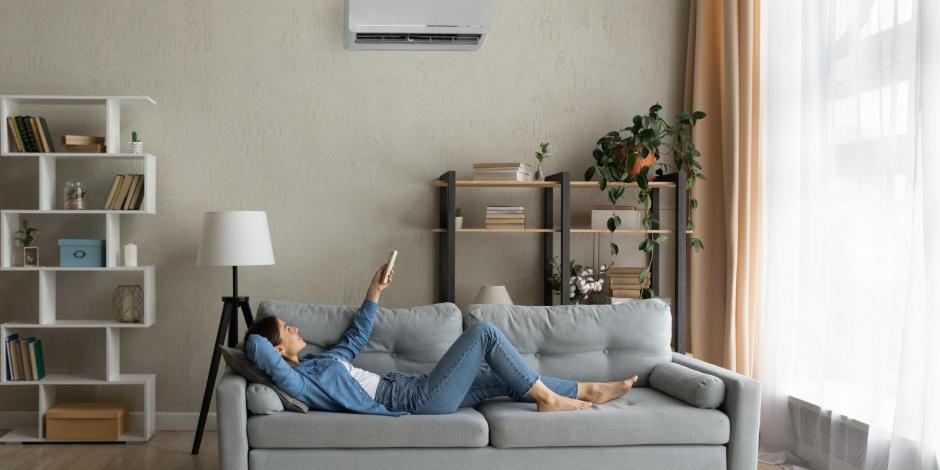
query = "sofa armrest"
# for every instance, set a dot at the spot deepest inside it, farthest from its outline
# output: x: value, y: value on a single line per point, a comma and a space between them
x: 742, y: 405
x: 232, y: 417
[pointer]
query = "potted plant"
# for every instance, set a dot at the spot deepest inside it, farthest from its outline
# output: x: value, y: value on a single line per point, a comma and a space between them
x: 135, y: 146
x: 584, y: 281
x: 634, y: 155
x: 541, y: 154
x: 458, y: 219
x: 26, y: 255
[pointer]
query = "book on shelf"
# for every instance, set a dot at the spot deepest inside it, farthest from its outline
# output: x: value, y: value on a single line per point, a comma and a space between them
x: 627, y: 293
x: 502, y: 172
x: 86, y: 148
x: 505, y: 209
x: 127, y: 193
x: 12, y: 359
x: 25, y: 360
x: 71, y: 139
x: 518, y: 221
x: 507, y: 216
x: 29, y: 134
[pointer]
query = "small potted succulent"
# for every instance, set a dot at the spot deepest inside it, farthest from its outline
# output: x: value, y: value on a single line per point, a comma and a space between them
x: 135, y: 145
x: 541, y: 154
x: 26, y: 255
x: 584, y: 281
x: 458, y: 219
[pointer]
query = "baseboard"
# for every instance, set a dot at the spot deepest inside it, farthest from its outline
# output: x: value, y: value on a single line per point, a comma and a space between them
x: 166, y: 420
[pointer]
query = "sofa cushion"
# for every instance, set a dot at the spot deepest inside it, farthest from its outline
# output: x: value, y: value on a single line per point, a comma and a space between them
x: 643, y: 416
x: 691, y: 386
x: 236, y: 360
x: 323, y: 429
x: 586, y: 342
x: 406, y: 340
x: 262, y: 400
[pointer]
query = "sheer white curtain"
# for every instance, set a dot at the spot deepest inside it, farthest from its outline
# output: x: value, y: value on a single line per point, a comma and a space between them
x: 851, y: 283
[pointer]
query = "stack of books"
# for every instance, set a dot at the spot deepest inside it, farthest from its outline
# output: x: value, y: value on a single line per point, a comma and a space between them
x: 127, y: 193
x: 83, y: 143
x: 625, y: 282
x: 505, y: 217
x: 24, y: 358
x: 502, y: 172
x: 29, y: 134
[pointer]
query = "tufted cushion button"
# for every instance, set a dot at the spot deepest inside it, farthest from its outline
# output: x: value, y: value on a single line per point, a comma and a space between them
x: 606, y: 351
x: 538, y: 354
x: 394, y: 354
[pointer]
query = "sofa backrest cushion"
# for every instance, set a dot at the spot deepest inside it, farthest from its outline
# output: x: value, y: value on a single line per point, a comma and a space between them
x: 406, y: 340
x: 586, y: 342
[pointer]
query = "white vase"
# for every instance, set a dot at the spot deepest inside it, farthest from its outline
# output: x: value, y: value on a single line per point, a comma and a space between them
x: 458, y: 223
x: 135, y: 147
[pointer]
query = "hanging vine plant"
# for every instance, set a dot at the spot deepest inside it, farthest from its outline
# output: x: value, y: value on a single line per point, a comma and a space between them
x: 634, y: 155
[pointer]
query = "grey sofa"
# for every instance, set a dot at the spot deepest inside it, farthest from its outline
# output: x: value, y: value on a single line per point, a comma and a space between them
x: 683, y: 413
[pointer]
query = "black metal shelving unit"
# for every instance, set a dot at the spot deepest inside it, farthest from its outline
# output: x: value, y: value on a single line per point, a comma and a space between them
x: 447, y: 186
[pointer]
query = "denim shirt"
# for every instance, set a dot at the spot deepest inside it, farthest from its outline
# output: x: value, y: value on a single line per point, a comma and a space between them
x: 320, y: 380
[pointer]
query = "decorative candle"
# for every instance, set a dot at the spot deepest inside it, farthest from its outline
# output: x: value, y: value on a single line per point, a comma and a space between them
x: 130, y: 254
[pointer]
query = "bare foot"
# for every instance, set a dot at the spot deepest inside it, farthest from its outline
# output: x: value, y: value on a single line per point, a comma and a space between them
x: 560, y: 403
x: 603, y: 392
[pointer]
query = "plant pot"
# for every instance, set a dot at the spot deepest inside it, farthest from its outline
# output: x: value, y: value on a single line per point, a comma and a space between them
x: 539, y: 175
x: 458, y: 223
x: 135, y: 147
x: 128, y: 304
x: 638, y: 164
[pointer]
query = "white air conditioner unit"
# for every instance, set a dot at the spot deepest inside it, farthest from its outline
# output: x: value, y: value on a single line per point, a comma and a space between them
x: 417, y: 25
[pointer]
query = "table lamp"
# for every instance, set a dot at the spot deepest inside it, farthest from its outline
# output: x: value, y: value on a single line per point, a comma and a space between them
x: 230, y: 238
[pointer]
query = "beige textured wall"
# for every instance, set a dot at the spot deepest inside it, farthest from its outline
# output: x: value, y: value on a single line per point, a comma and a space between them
x: 260, y: 107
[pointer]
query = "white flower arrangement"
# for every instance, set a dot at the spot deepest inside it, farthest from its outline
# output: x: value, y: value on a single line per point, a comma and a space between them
x: 582, y: 282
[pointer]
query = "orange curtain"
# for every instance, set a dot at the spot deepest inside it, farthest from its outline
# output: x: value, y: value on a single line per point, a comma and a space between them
x: 722, y: 79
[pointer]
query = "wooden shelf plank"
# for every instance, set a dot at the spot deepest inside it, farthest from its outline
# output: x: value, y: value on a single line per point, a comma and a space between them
x: 622, y: 231
x: 596, y: 185
x: 543, y: 184
x: 488, y: 230
x: 497, y: 184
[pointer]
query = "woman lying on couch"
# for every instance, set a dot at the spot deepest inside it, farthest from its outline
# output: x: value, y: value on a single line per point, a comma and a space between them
x: 328, y: 382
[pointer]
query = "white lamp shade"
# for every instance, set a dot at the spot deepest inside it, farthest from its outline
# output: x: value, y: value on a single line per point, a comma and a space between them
x: 235, y: 238
x: 493, y: 295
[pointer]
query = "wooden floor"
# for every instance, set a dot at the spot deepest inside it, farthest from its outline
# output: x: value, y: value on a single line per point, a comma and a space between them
x: 166, y: 450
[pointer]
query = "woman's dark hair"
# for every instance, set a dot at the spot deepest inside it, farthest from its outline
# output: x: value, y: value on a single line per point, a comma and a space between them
x: 267, y: 328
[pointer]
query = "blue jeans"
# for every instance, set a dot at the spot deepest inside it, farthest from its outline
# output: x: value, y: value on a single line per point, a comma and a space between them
x: 460, y: 379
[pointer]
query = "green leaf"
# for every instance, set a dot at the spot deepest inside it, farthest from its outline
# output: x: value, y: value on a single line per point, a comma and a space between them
x: 646, y: 245
x: 612, y: 196
x: 614, y: 249
x: 661, y: 239
x: 655, y: 108
x: 693, y: 203
x: 647, y: 293
x: 589, y: 174
x: 648, y: 222
x: 689, y: 225
x: 698, y: 115
x: 619, y: 192
x: 603, y: 184
x: 697, y: 245
x: 644, y: 274
x: 611, y: 224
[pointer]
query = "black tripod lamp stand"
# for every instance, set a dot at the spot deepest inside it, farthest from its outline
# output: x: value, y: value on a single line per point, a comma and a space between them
x: 231, y: 238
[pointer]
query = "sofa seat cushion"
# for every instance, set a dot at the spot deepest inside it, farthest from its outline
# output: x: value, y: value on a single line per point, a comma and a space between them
x: 322, y: 429
x: 644, y: 416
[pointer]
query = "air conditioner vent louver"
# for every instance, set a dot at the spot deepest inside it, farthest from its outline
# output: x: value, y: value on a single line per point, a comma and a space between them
x: 417, y: 38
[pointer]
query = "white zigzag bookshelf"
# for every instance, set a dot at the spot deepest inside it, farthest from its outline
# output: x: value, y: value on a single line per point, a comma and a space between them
x: 142, y: 419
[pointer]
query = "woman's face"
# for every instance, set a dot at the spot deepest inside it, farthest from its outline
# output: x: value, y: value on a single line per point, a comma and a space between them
x: 291, y: 342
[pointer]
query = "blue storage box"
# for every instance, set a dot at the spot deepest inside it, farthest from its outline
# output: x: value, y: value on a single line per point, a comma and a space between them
x: 76, y: 253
